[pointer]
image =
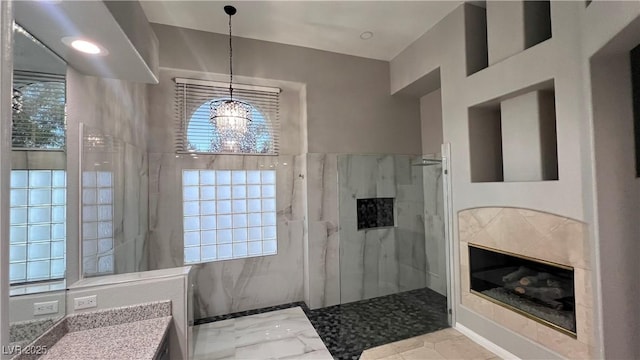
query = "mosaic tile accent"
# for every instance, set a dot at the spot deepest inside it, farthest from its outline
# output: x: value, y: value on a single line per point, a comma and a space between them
x: 375, y: 213
x: 250, y: 312
x: 348, y: 329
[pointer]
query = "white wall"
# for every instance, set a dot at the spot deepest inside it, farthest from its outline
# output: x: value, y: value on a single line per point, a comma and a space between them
x: 557, y: 58
x: 22, y: 306
x: 607, y: 45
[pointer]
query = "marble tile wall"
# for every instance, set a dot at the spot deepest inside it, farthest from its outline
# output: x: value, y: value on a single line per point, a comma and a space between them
x: 542, y: 236
x: 434, y: 229
x: 322, y: 238
x: 117, y: 109
x: 128, y: 168
x: 228, y: 286
x: 377, y: 262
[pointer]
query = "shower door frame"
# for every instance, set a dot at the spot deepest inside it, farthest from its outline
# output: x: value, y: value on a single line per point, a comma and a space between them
x: 448, y: 230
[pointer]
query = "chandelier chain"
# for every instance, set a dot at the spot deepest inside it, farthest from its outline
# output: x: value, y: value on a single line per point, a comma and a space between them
x: 230, y: 62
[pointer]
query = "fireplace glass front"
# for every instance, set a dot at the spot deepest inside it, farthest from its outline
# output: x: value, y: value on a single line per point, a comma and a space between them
x: 540, y: 290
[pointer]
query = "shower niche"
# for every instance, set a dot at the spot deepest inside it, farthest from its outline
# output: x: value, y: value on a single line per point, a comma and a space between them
x: 375, y: 213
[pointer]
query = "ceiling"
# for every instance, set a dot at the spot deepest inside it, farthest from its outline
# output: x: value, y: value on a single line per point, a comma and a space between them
x: 326, y: 25
x: 51, y: 21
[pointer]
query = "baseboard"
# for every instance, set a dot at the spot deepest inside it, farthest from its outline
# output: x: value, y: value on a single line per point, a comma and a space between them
x: 502, y: 353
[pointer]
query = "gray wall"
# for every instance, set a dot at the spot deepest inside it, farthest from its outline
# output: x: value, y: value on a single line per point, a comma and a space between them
x: 349, y: 109
x: 431, y: 122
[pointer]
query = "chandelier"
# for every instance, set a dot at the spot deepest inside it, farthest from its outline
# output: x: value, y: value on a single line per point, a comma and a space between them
x: 230, y: 117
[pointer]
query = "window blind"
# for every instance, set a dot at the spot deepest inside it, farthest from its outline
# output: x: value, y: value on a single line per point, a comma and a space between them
x: 38, y: 111
x: 196, y: 134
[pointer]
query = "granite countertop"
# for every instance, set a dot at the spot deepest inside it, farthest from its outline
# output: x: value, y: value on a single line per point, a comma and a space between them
x: 135, y: 340
x: 128, y: 332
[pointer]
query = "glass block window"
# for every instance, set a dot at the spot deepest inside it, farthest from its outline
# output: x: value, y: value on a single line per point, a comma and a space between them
x: 37, y: 225
x: 97, y: 222
x: 228, y: 214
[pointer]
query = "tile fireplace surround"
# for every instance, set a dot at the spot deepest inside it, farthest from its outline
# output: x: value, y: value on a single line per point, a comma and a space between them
x: 541, y: 236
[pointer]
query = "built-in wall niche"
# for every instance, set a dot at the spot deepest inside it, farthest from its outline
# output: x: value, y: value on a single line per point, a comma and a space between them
x: 375, y: 213
x: 514, y: 26
x: 476, y: 50
x: 514, y: 138
x: 635, y: 88
x: 537, y: 22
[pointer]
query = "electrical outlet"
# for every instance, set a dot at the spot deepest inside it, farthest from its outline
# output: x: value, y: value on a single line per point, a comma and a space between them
x: 43, y: 308
x: 85, y: 302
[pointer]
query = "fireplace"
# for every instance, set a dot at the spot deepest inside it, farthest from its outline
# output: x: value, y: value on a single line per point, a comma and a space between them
x: 540, y: 290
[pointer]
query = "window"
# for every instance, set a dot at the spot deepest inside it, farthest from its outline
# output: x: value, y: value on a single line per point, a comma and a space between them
x: 37, y: 225
x: 228, y: 214
x: 38, y: 111
x: 197, y: 134
x: 97, y: 222
x: 38, y: 196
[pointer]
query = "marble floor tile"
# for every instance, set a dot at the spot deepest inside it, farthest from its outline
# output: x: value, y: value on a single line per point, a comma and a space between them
x: 446, y: 344
x: 281, y: 334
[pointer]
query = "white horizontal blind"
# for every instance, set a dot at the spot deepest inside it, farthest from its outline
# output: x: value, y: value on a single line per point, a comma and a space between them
x: 39, y: 111
x: 195, y: 133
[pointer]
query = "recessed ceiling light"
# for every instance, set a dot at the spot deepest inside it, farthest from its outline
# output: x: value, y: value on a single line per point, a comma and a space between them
x: 366, y: 35
x: 84, y: 45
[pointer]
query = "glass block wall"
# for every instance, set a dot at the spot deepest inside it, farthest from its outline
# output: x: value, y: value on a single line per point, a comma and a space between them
x: 38, y: 225
x: 97, y: 222
x: 228, y: 214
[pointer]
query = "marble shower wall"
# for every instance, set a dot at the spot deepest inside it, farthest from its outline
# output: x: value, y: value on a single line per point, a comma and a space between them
x: 223, y: 287
x: 117, y: 109
x: 322, y: 238
x: 126, y: 198
x: 434, y: 229
x: 228, y: 286
x: 377, y: 262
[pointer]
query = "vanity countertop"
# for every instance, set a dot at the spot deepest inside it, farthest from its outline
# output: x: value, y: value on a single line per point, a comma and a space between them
x: 128, y: 332
x: 134, y: 340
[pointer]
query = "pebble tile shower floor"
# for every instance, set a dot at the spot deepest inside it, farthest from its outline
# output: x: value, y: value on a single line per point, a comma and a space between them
x: 348, y: 329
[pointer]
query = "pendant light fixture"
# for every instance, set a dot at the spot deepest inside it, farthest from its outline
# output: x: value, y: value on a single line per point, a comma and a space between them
x: 230, y: 117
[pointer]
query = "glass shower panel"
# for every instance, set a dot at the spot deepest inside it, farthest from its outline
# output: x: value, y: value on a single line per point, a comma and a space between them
x: 382, y: 228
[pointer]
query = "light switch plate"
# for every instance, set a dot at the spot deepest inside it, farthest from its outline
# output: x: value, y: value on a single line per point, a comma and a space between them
x: 43, y: 308
x: 85, y: 302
